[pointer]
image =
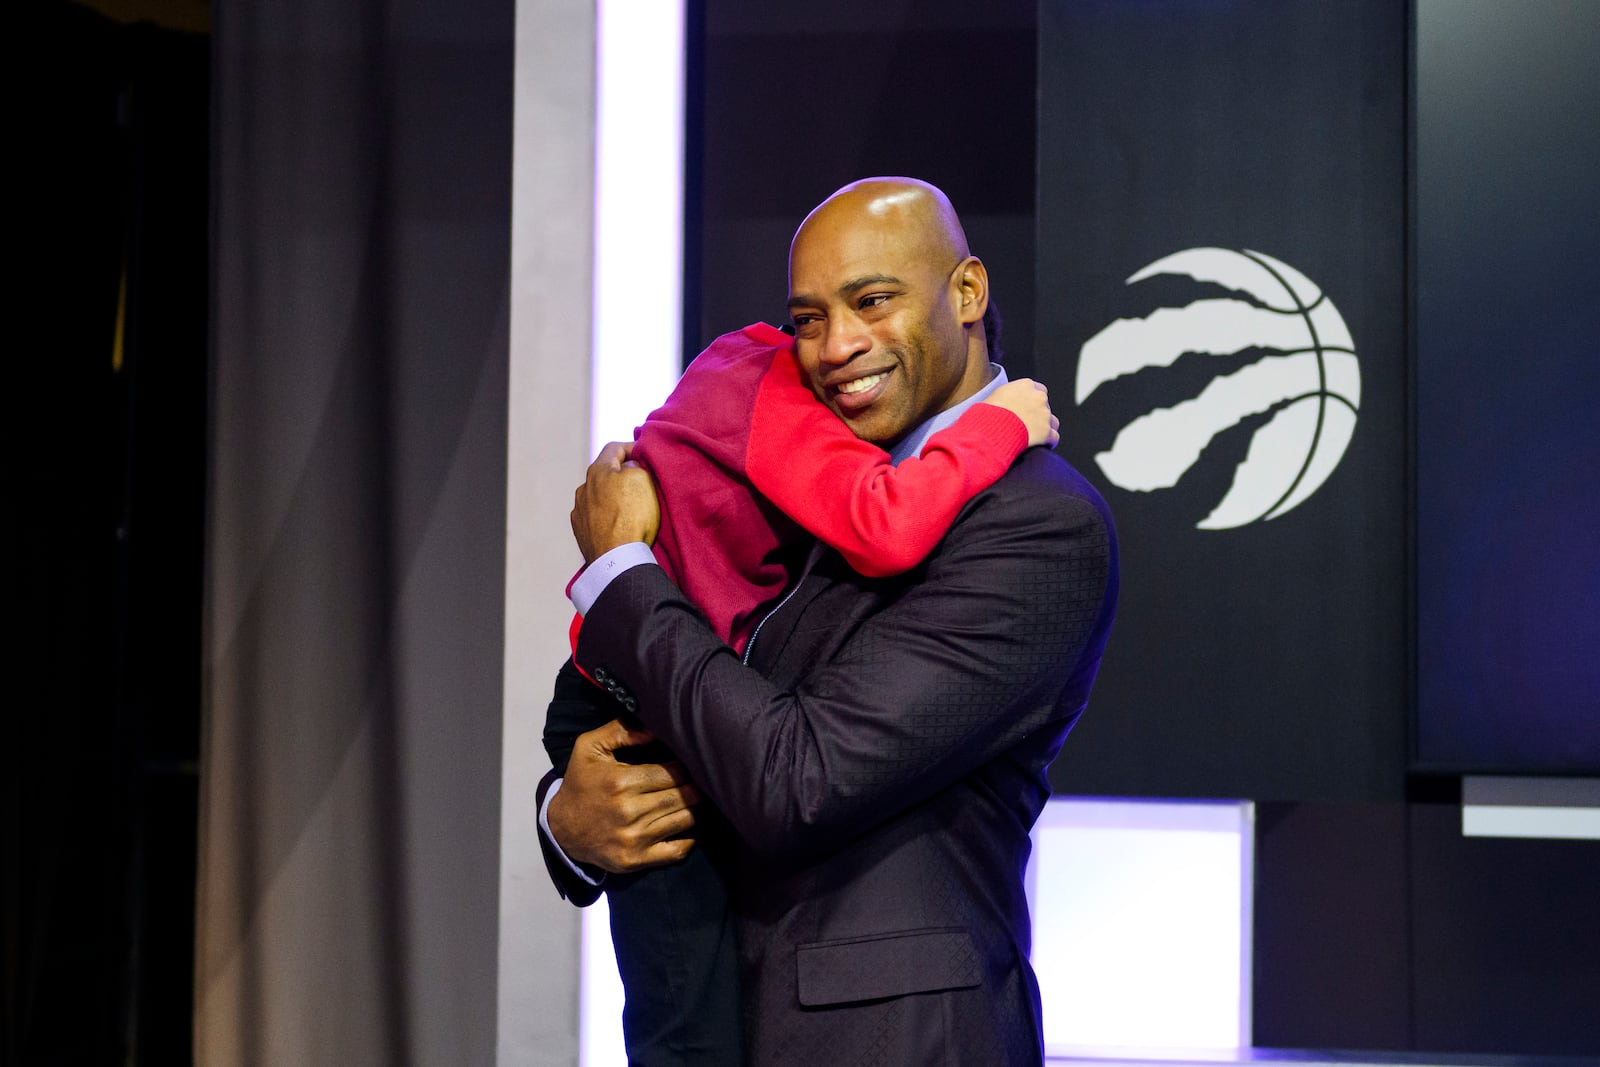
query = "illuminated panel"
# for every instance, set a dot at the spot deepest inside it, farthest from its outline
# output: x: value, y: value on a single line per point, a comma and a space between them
x: 1141, y: 924
x: 1564, y: 808
x: 638, y: 213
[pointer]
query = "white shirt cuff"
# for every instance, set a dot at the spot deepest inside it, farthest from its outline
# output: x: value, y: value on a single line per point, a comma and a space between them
x: 544, y: 828
x: 588, y: 586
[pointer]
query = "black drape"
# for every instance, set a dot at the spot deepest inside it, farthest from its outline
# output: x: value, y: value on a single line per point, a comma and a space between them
x: 355, y: 567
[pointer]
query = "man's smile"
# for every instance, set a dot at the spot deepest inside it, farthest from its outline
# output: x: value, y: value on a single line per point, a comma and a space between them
x: 855, y: 395
x: 863, y: 384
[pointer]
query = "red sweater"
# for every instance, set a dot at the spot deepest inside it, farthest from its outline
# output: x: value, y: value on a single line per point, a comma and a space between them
x: 749, y: 465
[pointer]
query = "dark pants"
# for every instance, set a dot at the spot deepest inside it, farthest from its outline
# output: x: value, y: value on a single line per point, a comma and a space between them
x: 670, y: 926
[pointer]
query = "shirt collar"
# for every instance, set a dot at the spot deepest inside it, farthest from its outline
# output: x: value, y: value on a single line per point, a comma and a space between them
x: 911, y: 444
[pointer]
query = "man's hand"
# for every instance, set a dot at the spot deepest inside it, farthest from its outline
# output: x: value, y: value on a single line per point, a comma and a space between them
x: 616, y: 504
x: 1030, y: 402
x: 618, y: 816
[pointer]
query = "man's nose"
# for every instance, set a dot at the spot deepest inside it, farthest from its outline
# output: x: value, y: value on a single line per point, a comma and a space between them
x: 846, y: 339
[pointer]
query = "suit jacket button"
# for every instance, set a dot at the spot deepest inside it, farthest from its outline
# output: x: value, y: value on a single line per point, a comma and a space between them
x: 602, y: 676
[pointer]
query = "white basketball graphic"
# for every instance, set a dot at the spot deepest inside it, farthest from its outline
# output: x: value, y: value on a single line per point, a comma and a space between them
x: 1309, y: 380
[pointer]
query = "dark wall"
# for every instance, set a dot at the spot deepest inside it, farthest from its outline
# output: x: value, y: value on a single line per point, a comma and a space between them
x: 799, y: 98
x: 1508, y: 382
x: 1379, y: 926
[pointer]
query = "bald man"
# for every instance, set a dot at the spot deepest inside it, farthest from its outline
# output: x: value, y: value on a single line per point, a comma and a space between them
x: 881, y: 750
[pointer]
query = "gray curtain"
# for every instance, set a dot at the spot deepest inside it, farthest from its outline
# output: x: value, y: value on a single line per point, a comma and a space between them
x: 350, y: 819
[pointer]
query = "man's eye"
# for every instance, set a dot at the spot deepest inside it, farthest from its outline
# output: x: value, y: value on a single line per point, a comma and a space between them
x: 875, y: 300
x: 802, y: 321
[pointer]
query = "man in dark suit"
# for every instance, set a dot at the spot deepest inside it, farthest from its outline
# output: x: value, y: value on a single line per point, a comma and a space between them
x: 882, y: 753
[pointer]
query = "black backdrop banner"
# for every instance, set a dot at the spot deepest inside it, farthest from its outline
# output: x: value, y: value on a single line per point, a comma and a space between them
x: 1506, y: 267
x: 1221, y: 318
x: 887, y: 89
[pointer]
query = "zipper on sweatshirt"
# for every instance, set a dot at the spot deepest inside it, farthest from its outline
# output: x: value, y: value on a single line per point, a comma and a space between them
x: 812, y: 559
x: 751, y: 644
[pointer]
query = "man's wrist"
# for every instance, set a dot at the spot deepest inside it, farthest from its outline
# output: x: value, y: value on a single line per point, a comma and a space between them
x: 544, y: 827
x: 588, y: 586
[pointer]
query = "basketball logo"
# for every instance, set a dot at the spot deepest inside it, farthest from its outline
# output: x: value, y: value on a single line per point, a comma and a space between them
x: 1306, y: 382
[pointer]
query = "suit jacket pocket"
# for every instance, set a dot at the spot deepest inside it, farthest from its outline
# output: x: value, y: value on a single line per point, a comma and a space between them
x: 887, y: 965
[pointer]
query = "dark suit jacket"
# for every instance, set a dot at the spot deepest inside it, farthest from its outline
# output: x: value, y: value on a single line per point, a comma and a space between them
x: 882, y: 764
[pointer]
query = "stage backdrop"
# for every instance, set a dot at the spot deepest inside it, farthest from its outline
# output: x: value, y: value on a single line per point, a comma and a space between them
x: 350, y: 822
x: 1220, y: 295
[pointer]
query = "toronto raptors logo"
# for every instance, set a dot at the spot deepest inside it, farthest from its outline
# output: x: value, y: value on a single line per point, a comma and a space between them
x: 1306, y: 382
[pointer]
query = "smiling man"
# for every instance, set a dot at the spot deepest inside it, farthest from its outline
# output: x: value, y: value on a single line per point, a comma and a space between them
x: 887, y: 350
x: 881, y: 753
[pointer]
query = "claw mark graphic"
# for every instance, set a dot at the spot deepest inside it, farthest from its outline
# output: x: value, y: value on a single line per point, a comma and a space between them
x: 1311, y: 384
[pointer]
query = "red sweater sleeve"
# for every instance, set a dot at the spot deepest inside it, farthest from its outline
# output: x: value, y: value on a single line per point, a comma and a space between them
x: 882, y: 518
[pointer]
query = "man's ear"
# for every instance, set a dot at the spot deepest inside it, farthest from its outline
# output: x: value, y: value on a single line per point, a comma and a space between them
x: 971, y: 281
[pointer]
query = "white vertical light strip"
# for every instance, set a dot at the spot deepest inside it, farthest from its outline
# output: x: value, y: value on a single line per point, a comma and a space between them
x: 600, y: 1041
x: 1141, y: 924
x: 637, y: 319
x: 638, y: 215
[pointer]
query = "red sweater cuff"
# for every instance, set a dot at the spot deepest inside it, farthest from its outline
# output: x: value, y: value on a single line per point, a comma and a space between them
x: 1000, y: 424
